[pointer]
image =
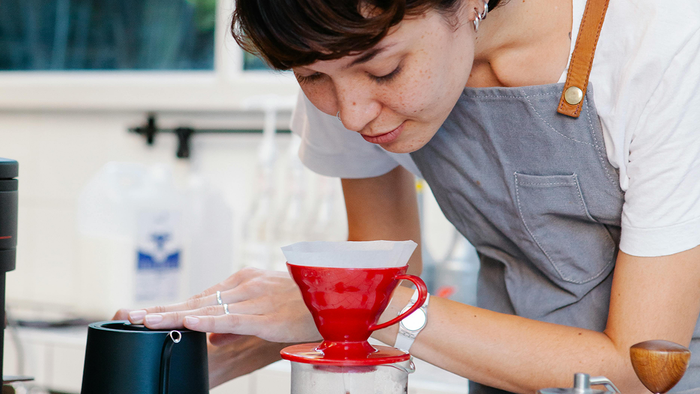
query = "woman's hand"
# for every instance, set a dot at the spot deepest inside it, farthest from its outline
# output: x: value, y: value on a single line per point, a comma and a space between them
x: 265, y: 304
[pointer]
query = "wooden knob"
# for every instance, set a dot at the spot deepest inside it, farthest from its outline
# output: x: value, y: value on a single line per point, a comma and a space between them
x: 659, y: 364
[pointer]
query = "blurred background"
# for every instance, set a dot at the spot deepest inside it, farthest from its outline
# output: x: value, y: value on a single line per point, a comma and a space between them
x: 155, y: 160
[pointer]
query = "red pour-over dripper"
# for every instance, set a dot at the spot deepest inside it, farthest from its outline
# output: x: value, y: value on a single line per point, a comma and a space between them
x: 346, y: 304
x: 346, y: 286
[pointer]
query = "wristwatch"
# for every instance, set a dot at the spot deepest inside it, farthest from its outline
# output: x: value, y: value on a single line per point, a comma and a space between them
x: 412, y: 324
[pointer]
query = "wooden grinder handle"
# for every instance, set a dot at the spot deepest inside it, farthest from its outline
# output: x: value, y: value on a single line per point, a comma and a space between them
x: 659, y: 364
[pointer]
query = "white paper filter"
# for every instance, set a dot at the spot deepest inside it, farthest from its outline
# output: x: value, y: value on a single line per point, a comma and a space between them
x: 370, y: 254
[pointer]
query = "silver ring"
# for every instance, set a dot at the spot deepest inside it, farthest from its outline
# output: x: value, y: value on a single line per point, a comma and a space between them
x: 218, y: 297
x: 226, y: 309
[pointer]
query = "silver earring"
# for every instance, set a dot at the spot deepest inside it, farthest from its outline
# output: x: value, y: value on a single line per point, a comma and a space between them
x: 338, y: 116
x: 480, y: 15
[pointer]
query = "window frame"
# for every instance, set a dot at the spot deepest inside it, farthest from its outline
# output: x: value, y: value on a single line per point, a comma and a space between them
x: 227, y: 87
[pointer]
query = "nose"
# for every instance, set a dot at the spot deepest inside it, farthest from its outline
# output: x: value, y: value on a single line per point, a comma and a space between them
x: 357, y: 107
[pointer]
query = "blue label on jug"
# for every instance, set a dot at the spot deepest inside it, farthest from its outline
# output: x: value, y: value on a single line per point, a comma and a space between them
x: 146, y: 262
x: 158, y: 256
x: 160, y: 259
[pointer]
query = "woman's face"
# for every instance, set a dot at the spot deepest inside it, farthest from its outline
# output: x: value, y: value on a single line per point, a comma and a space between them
x: 398, y: 93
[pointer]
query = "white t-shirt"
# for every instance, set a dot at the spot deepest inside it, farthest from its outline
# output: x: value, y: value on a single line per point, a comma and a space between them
x: 646, y: 79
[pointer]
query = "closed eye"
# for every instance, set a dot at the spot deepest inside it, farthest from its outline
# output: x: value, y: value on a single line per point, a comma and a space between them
x: 388, y: 77
x: 303, y: 79
x: 308, y: 78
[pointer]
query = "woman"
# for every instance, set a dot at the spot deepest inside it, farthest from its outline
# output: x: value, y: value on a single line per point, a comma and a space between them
x: 583, y: 200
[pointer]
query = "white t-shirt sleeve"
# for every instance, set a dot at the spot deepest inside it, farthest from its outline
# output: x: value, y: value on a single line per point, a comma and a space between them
x: 330, y: 149
x: 661, y: 213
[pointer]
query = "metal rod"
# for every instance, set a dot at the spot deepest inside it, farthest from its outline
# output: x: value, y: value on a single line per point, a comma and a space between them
x: 184, y: 134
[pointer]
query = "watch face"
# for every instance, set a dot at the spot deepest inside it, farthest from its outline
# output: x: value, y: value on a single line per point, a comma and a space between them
x: 415, y: 321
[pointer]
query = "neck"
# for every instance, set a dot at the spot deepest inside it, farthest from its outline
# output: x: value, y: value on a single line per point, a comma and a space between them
x: 523, y: 42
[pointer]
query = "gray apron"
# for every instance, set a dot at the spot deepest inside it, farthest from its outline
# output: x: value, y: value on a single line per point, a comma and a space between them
x: 534, y: 192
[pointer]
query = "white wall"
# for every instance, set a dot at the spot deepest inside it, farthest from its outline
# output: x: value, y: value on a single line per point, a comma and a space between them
x: 59, y: 152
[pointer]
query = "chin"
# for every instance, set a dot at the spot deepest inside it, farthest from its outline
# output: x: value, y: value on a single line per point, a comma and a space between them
x: 403, y: 146
x: 409, y: 142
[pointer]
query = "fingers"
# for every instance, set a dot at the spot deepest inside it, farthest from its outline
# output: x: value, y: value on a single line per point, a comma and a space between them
x: 122, y: 314
x: 230, y: 293
x: 168, y: 320
x: 233, y: 323
x: 235, y: 296
x: 256, y: 302
x: 189, y: 305
x: 137, y: 316
x: 210, y: 319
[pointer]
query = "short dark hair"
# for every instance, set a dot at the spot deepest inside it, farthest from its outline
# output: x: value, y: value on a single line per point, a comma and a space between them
x: 291, y: 33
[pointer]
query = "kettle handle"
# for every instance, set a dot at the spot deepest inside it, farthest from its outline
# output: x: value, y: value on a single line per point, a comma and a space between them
x: 175, y: 337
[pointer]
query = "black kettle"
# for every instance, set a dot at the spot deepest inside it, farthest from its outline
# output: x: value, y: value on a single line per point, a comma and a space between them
x: 122, y: 358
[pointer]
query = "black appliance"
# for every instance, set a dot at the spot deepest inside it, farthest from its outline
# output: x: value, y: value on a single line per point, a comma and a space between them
x: 9, y: 169
x: 121, y: 358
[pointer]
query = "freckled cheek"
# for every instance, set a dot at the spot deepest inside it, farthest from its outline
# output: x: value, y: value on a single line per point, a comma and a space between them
x: 322, y: 97
x: 420, y: 94
x: 399, y: 99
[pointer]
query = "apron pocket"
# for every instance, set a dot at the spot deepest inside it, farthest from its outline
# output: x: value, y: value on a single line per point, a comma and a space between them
x: 576, y: 248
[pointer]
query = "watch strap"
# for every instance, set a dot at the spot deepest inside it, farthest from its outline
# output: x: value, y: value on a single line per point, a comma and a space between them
x: 404, y: 340
x: 406, y: 337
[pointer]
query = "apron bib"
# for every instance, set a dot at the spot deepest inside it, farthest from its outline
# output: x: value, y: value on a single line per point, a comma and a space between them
x: 534, y: 192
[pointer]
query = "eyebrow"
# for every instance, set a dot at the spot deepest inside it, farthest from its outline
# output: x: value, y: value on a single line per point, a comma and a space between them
x: 369, y: 55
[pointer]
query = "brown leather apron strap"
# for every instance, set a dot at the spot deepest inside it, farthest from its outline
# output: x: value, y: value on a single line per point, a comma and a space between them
x: 582, y: 58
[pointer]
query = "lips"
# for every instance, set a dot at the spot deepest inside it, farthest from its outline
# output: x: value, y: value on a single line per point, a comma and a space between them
x: 386, y: 137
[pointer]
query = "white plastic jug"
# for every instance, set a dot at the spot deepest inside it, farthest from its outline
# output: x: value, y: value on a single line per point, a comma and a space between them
x: 130, y: 239
x: 209, y: 229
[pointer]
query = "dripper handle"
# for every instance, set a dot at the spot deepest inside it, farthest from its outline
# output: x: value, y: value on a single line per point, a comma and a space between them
x: 422, y: 295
